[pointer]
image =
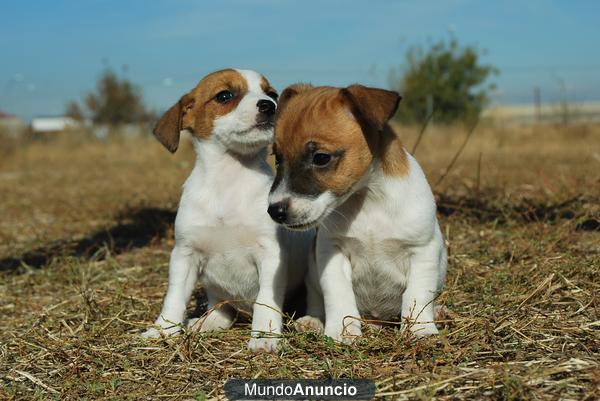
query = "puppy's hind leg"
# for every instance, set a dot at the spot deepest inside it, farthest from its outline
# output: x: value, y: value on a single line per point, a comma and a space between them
x: 314, y: 320
x: 183, y: 273
x: 219, y: 316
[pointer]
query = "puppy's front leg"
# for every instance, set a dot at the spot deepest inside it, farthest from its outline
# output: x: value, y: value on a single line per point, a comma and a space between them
x: 341, y: 312
x: 423, y: 278
x: 183, y: 273
x: 267, y: 313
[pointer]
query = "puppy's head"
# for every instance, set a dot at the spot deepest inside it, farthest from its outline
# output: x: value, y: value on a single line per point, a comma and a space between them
x: 233, y: 107
x: 326, y: 140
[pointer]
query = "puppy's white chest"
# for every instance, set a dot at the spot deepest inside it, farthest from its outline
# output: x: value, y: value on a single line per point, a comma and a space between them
x: 232, y: 275
x: 223, y: 218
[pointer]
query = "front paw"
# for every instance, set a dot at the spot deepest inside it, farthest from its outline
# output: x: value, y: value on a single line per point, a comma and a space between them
x: 157, y: 332
x: 308, y: 323
x: 346, y: 333
x: 424, y: 329
x: 263, y: 344
x: 152, y: 332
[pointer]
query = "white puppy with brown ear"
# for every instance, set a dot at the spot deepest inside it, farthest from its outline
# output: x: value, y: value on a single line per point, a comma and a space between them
x: 223, y: 235
x: 379, y: 250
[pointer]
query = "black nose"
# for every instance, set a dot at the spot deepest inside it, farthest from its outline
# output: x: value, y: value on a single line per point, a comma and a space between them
x: 278, y: 211
x: 266, y: 107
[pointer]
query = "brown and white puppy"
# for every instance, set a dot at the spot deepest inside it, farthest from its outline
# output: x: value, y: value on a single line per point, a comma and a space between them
x: 223, y: 236
x: 340, y: 167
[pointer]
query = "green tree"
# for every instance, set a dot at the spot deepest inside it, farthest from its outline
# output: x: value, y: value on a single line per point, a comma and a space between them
x: 444, y: 79
x: 115, y: 101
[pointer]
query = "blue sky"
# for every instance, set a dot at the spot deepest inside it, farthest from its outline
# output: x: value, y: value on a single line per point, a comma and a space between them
x: 53, y: 51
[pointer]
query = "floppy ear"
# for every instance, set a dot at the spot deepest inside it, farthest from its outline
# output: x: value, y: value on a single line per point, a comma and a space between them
x: 289, y: 93
x: 372, y: 105
x: 172, y: 122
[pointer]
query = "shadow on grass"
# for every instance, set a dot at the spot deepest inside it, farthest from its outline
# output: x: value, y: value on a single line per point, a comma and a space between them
x: 136, y: 228
x: 487, y: 208
x: 139, y: 227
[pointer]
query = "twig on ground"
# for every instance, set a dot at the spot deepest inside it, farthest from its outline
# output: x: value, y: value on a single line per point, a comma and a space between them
x: 423, y: 128
x: 455, y: 158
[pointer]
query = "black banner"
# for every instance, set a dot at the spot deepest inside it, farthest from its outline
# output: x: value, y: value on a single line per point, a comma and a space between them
x: 300, y: 389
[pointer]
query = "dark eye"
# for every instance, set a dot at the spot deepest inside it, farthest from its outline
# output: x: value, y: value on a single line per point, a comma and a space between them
x: 224, y: 96
x: 321, y: 159
x: 277, y: 158
x: 273, y: 95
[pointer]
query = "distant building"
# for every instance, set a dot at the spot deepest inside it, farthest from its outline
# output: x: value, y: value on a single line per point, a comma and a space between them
x: 52, y: 124
x: 11, y: 124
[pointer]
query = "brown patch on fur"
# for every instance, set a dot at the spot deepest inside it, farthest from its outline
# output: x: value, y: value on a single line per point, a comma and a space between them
x: 318, y: 115
x: 266, y: 86
x: 373, y: 109
x: 197, y: 110
x: 290, y: 92
x: 372, y: 106
x: 171, y: 123
x: 336, y: 122
x: 393, y: 159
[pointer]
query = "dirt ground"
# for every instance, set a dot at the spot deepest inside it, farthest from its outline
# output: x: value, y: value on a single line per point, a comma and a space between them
x: 86, y: 230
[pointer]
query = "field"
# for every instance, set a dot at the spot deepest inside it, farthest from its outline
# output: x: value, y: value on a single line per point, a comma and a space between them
x: 86, y: 231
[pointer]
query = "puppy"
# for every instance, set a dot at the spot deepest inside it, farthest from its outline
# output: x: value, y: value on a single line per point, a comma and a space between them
x: 223, y: 235
x: 379, y: 249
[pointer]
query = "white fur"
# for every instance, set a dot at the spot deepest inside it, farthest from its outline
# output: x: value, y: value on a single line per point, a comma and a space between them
x: 225, y: 237
x: 379, y: 253
x: 236, y: 131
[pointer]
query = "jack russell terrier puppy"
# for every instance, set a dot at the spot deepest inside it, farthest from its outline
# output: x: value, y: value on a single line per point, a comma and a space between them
x: 223, y: 236
x: 379, y: 249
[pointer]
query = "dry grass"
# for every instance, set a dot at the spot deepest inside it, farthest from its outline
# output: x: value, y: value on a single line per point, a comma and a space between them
x: 86, y: 231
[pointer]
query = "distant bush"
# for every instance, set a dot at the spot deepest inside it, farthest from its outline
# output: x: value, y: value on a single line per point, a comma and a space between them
x: 9, y: 143
x: 445, y: 79
x: 115, y: 101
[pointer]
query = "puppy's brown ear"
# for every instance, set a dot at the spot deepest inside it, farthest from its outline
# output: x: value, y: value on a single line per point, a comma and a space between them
x: 372, y: 106
x: 289, y: 93
x: 169, y: 126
